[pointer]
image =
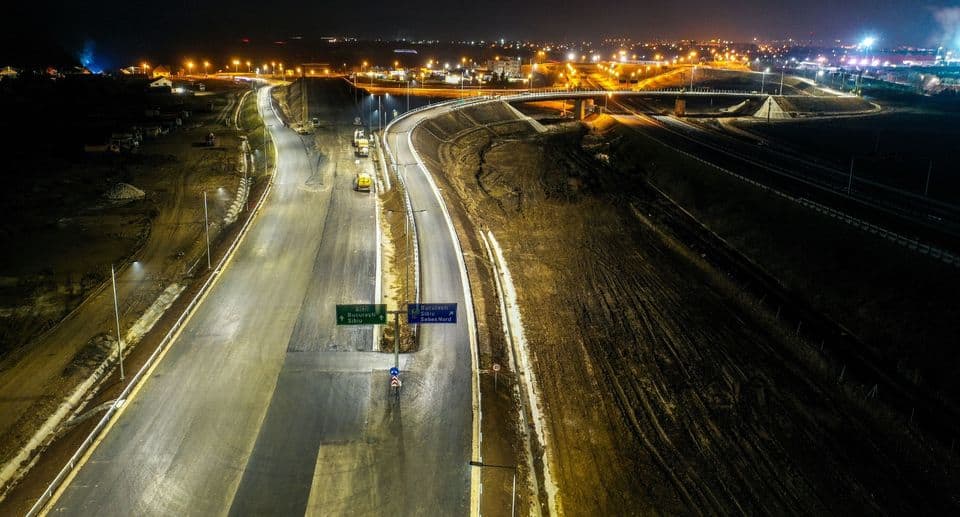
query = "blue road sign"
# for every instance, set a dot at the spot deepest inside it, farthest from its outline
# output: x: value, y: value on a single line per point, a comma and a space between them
x: 394, y: 371
x: 432, y: 313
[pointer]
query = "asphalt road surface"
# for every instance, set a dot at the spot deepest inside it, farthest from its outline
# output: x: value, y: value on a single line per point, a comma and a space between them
x: 262, y: 406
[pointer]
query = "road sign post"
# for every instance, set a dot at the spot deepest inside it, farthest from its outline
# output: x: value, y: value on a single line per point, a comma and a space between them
x: 396, y: 340
x: 496, y: 373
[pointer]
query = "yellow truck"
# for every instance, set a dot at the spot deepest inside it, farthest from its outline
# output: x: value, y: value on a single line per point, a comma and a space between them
x: 363, y: 182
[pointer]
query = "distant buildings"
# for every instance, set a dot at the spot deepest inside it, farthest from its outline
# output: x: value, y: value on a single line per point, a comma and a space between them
x: 8, y: 72
x: 161, y: 71
x: 161, y: 82
x: 508, y: 67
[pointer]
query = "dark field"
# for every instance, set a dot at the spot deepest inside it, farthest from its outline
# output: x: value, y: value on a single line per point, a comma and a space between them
x: 895, y: 148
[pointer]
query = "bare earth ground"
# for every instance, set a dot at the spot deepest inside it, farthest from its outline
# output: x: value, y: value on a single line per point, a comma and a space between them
x: 667, y: 390
x: 173, y: 171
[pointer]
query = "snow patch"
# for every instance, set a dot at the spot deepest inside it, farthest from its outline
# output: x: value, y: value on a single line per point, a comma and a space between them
x: 124, y: 192
x: 149, y: 318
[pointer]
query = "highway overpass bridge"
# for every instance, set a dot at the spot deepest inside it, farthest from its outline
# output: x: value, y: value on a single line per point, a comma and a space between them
x: 583, y: 99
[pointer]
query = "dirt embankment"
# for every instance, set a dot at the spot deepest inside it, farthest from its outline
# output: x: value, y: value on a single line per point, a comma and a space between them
x: 666, y: 389
x: 173, y: 170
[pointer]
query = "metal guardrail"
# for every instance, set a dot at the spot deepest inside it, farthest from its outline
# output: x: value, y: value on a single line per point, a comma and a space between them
x: 896, y: 238
x: 84, y: 447
x: 910, y: 243
x: 557, y: 93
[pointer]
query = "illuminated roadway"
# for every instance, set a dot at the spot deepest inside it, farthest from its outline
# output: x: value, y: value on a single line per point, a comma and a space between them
x: 262, y: 406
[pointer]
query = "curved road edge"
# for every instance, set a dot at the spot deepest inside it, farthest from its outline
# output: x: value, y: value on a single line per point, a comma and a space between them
x: 66, y: 474
x: 477, y: 437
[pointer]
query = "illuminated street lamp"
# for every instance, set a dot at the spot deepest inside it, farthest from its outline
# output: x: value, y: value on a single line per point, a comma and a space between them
x: 206, y: 66
x: 248, y: 67
x: 189, y: 67
x: 116, y: 312
x: 763, y: 79
x: 236, y: 63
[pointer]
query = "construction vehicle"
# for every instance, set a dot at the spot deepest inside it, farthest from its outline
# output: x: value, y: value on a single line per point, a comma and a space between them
x: 363, y: 182
x: 363, y: 147
x: 357, y: 135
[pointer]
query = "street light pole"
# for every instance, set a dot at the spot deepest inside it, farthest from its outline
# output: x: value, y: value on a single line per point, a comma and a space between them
x: 781, y: 79
x: 116, y: 312
x: 763, y: 80
x: 206, y: 227
x: 850, y: 177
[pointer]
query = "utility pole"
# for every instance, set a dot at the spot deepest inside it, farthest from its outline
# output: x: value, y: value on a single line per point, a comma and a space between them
x: 926, y: 185
x: 116, y: 312
x: 409, y: 245
x: 305, y: 100
x: 265, y: 128
x: 206, y: 227
x: 763, y: 80
x: 850, y: 178
x: 781, y: 79
x: 380, y: 113
x: 406, y: 248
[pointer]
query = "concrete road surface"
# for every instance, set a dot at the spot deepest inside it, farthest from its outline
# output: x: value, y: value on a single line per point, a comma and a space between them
x: 263, y: 406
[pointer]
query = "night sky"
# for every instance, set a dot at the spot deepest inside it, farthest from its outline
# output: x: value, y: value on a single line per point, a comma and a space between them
x: 124, y: 30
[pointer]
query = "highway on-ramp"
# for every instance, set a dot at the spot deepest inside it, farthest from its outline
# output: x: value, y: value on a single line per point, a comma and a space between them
x: 262, y: 405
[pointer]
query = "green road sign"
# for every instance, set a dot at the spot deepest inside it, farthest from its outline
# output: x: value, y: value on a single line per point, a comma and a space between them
x: 362, y: 314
